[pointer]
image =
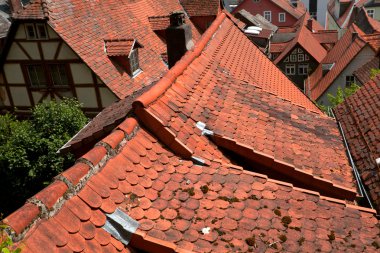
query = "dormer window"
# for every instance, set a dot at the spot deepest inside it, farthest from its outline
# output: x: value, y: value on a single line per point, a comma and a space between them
x: 36, y: 31
x: 125, y: 54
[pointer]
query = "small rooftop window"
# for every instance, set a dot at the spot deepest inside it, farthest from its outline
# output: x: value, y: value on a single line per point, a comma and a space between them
x: 125, y: 53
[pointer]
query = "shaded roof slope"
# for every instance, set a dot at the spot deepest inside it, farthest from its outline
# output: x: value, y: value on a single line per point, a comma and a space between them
x: 107, y: 20
x: 363, y: 74
x: 185, y: 194
x: 341, y: 55
x: 359, y: 116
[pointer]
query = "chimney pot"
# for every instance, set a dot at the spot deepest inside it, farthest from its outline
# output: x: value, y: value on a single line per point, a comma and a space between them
x: 177, y: 18
x: 178, y: 37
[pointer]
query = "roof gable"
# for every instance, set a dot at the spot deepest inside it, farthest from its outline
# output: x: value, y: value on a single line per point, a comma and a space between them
x: 344, y: 51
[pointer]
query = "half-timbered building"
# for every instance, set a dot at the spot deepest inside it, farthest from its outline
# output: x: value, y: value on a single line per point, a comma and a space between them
x: 97, y: 52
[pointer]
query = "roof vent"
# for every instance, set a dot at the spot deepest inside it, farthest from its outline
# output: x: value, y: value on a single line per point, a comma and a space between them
x: 202, y: 126
x: 326, y: 67
x: 354, y: 36
x: 198, y: 161
x: 121, y: 226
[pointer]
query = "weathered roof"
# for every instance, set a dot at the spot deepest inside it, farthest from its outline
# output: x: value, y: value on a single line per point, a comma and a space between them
x: 178, y: 184
x: 109, y: 20
x: 196, y: 8
x: 363, y: 74
x: 341, y: 54
x: 359, y: 116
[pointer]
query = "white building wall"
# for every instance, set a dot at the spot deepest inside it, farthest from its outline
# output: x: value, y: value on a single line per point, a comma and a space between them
x: 362, y: 58
x: 321, y: 10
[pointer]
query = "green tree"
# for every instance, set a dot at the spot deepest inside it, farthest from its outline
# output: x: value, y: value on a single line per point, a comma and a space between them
x: 374, y: 73
x: 339, y: 97
x: 28, y: 158
x: 342, y: 94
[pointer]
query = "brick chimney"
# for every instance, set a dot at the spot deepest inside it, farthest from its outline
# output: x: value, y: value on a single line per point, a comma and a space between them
x: 178, y: 37
x: 15, y: 5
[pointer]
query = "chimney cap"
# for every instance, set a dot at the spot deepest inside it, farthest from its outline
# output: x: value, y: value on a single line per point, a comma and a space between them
x: 177, y: 18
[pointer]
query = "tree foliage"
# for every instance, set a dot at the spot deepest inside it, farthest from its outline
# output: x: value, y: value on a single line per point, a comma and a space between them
x: 340, y: 96
x: 374, y: 73
x: 28, y: 158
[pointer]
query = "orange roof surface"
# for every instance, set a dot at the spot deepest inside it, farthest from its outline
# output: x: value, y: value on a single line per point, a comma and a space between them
x: 278, y: 47
x: 304, y: 38
x: 341, y: 54
x: 326, y: 36
x: 363, y: 74
x: 112, y: 19
x: 119, y: 47
x: 359, y: 116
x: 196, y: 8
x: 186, y: 194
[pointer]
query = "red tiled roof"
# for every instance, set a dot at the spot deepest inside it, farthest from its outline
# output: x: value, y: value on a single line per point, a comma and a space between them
x: 341, y: 54
x: 359, y: 116
x: 121, y: 47
x: 159, y: 22
x: 184, y: 192
x: 304, y: 38
x: 373, y: 40
x: 278, y: 47
x: 296, y: 12
x: 326, y: 36
x: 363, y: 74
x: 109, y: 19
x: 196, y: 8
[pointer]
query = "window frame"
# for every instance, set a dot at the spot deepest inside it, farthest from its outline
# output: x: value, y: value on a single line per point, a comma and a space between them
x: 300, y: 57
x: 270, y: 15
x: 36, y: 27
x: 350, y: 79
x: 288, y: 68
x: 134, y: 64
x: 47, y: 73
x: 372, y: 15
x: 303, y: 67
x: 279, y: 17
x: 293, y: 58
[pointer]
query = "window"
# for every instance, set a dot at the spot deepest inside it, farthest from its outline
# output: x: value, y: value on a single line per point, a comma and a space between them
x: 293, y: 58
x: 301, y: 57
x: 350, y: 80
x: 371, y: 13
x: 286, y: 59
x: 303, y: 68
x: 30, y: 32
x: 268, y: 15
x: 36, y: 31
x: 58, y: 75
x: 299, y: 50
x: 281, y: 17
x: 36, y: 75
x: 41, y: 75
x: 290, y: 69
x: 306, y: 57
x: 134, y: 62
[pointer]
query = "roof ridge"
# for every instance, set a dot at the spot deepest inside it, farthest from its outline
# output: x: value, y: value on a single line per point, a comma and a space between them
x: 166, y: 81
x: 70, y: 182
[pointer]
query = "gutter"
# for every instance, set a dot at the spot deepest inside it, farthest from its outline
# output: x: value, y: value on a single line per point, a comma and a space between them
x: 362, y: 190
